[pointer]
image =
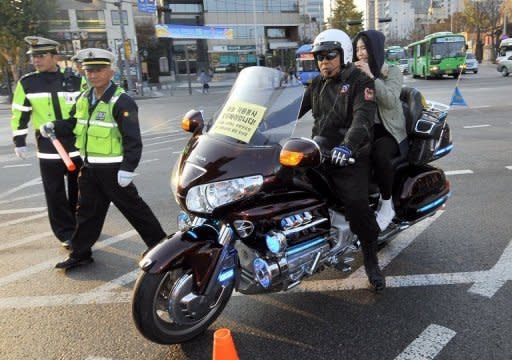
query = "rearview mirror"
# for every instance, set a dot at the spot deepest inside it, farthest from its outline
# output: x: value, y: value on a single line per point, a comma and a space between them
x: 192, y: 121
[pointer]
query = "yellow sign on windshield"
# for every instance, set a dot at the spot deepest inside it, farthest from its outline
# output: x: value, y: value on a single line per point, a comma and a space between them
x: 239, y: 120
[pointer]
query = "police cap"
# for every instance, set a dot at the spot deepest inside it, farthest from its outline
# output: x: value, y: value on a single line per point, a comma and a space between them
x: 95, y: 58
x: 41, y: 45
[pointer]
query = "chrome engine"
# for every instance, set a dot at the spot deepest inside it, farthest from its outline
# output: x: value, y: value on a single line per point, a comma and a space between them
x: 286, y: 261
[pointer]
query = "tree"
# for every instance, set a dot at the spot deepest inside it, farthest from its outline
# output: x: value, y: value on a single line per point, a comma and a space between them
x: 20, y: 18
x: 345, y: 10
x: 483, y: 16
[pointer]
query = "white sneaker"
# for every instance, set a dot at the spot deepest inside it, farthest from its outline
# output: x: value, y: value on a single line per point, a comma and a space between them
x: 385, y: 214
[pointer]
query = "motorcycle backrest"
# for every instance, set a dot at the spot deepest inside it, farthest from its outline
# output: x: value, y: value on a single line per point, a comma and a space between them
x: 412, y: 106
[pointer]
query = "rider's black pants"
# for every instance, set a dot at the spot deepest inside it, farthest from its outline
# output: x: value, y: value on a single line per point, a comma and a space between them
x: 351, y: 185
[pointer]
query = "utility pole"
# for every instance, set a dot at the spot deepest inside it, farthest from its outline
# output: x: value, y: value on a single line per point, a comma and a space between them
x: 126, y: 67
x: 255, y: 33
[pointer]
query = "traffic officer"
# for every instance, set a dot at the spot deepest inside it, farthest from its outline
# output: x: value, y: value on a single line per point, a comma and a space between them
x: 47, y: 95
x: 108, y: 136
x: 77, y: 62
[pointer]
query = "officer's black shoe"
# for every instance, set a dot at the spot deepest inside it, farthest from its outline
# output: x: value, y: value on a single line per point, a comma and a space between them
x: 376, y: 279
x: 66, y: 244
x: 71, y: 262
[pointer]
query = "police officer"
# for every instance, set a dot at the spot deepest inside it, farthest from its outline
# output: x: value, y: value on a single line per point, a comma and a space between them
x: 77, y: 62
x: 342, y: 100
x: 47, y: 95
x: 108, y: 136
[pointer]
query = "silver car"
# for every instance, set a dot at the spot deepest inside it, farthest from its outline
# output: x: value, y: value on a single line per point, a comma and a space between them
x: 471, y: 64
x: 505, y: 66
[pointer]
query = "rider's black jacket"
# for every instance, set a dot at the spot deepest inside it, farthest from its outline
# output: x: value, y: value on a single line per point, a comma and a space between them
x: 343, y: 108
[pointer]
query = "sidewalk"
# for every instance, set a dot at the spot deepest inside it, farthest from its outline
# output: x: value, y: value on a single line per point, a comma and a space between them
x: 168, y: 86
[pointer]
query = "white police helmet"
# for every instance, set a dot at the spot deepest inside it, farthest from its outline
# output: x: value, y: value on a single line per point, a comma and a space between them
x: 334, y: 39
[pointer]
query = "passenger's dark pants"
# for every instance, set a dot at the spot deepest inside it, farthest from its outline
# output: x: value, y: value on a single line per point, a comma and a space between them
x: 351, y: 186
x: 384, y: 149
x: 98, y: 187
x: 61, y: 204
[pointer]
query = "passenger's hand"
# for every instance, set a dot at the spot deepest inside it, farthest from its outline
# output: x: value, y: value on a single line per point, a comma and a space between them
x: 364, y: 67
x: 124, y: 178
x: 21, y: 152
x: 47, y: 129
x: 340, y: 155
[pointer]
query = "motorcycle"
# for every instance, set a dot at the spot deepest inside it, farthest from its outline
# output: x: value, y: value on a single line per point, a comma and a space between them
x: 258, y: 216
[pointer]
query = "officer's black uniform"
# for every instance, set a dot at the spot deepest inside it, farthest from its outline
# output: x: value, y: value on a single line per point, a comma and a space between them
x: 344, y: 108
x: 38, y: 95
x: 99, y: 186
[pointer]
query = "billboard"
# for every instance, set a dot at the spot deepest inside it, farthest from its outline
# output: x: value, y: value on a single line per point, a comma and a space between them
x: 193, y: 32
x: 147, y: 6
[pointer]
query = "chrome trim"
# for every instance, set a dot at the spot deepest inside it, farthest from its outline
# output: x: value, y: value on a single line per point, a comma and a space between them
x: 225, y: 235
x: 303, y: 227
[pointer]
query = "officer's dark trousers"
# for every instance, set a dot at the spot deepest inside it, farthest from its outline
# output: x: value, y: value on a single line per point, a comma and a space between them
x: 97, y: 188
x: 351, y: 185
x: 61, y: 205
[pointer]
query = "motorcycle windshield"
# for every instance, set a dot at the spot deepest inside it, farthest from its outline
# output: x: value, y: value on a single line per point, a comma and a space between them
x: 261, y: 109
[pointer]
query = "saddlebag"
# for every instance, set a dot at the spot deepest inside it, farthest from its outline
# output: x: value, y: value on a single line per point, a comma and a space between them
x: 430, y: 138
x: 419, y: 191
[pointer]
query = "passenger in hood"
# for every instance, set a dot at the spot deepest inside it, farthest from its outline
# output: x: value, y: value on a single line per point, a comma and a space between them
x: 389, y: 122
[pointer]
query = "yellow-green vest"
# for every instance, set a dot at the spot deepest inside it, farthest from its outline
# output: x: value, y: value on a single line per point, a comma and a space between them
x: 97, y: 136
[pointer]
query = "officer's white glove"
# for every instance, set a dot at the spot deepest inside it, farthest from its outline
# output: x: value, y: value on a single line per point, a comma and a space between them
x: 21, y: 152
x: 124, y: 178
x: 46, y: 129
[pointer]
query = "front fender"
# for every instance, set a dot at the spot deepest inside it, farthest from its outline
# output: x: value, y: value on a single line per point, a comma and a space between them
x: 196, y: 248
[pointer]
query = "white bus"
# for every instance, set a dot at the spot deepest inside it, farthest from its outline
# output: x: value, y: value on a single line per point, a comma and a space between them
x: 505, y: 49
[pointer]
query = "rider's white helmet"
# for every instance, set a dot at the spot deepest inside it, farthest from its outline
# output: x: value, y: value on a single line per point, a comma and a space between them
x: 334, y: 39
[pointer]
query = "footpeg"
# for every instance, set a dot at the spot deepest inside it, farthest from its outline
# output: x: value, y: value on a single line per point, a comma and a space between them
x: 343, y: 267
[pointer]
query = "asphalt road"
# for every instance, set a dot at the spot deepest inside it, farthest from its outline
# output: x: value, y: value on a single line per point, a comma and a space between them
x: 449, y: 278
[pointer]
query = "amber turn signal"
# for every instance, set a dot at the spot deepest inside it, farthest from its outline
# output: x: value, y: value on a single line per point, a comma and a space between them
x: 290, y: 158
x: 185, y: 124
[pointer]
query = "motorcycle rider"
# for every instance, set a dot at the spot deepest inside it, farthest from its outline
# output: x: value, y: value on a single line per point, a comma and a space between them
x: 342, y: 100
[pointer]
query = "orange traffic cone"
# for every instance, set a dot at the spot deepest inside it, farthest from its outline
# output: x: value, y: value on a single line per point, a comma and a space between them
x: 223, y: 345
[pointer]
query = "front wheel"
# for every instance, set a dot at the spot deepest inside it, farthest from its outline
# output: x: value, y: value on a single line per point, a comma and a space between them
x: 166, y: 310
x: 504, y: 72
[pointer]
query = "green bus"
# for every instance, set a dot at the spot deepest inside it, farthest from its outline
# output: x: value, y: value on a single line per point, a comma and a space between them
x: 394, y: 54
x: 441, y: 53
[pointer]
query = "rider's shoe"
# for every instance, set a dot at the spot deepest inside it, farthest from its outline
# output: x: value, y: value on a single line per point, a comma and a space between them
x: 385, y: 214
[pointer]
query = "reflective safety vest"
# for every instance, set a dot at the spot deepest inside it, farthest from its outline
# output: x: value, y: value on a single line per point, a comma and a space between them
x: 97, y: 135
x: 40, y: 98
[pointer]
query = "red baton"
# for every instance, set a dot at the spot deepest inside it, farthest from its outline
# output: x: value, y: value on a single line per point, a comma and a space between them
x: 62, y: 152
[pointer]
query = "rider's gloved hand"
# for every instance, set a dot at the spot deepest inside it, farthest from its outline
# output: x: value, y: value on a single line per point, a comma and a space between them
x: 340, y: 155
x: 46, y: 129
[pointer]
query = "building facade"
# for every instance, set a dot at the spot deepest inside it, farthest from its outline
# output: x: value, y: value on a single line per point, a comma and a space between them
x: 264, y: 32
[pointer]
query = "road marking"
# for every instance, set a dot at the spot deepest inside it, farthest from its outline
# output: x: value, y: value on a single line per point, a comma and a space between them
x: 25, y: 240
x: 20, y: 198
x: 458, y: 172
x: 475, y: 126
x: 148, y: 161
x: 166, y: 141
x: 509, y: 167
x: 32, y: 182
x: 428, y: 344
x: 24, y: 210
x: 51, y: 263
x: 22, y: 220
x: 16, y: 166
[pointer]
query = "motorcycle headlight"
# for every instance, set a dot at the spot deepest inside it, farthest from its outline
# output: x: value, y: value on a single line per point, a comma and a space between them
x: 204, y: 198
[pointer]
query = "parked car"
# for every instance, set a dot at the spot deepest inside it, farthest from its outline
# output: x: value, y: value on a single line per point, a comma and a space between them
x: 403, y: 64
x: 471, y: 64
x: 505, y: 66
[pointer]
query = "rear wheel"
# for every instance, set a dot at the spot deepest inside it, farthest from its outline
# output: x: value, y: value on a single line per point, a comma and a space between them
x: 166, y: 310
